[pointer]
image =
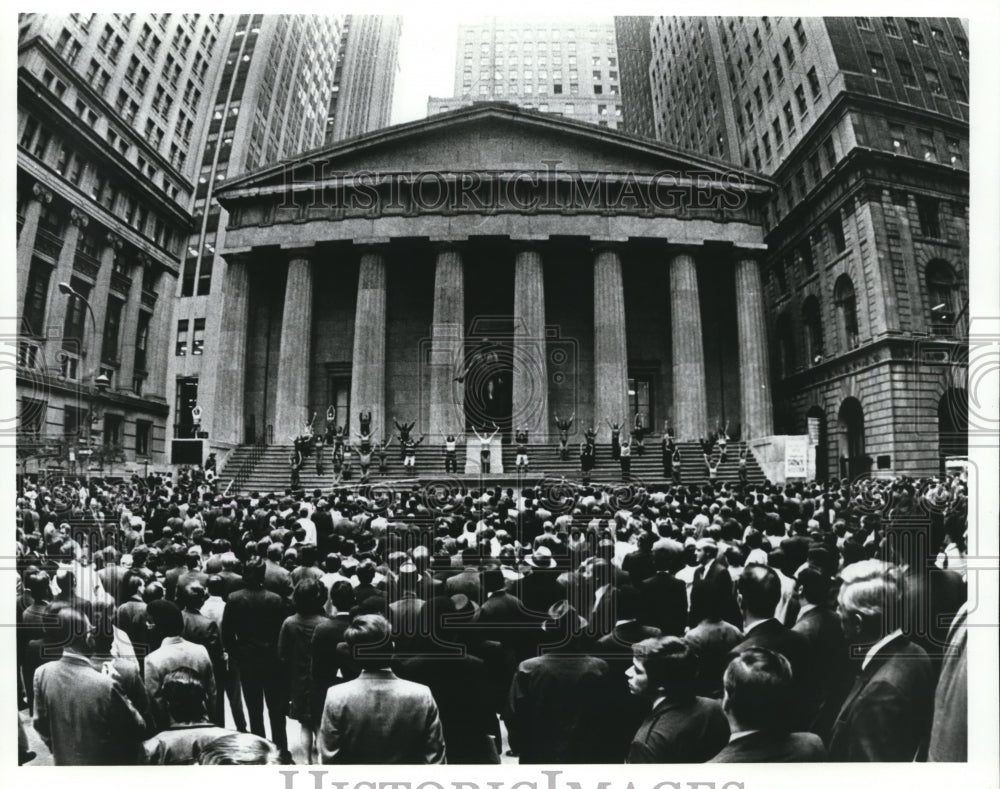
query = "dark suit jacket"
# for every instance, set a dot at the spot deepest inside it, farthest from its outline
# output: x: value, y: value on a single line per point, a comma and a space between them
x: 277, y: 579
x: 826, y: 673
x: 467, y: 583
x: 765, y: 746
x: 112, y: 581
x: 773, y: 635
x: 678, y: 732
x: 557, y: 704
x: 233, y: 581
x: 665, y: 600
x: 199, y: 629
x: 251, y: 624
x: 887, y: 714
x: 539, y: 589
x: 461, y: 691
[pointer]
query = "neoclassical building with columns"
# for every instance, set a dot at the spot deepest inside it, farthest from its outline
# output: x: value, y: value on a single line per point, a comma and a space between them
x: 493, y: 265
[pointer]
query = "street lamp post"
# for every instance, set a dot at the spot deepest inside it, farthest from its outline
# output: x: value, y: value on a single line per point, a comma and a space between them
x: 99, y: 381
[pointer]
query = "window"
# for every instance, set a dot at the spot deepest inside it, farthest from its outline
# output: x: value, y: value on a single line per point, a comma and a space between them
x: 141, y: 341
x: 76, y: 316
x: 789, y: 51
x: 789, y: 118
x: 800, y: 98
x: 890, y: 27
x: 938, y: 35
x: 915, y: 32
x: 112, y: 329
x: 897, y: 134
x: 941, y: 297
x: 113, y: 424
x: 954, y: 152
x: 182, y: 338
x: 759, y: 99
x: 813, y: 82
x: 768, y: 87
x: 835, y: 224
x: 963, y: 47
x: 800, y: 33
x: 813, y: 324
x: 779, y: 138
x: 878, y: 65
x: 927, y: 147
x: 143, y: 432
x: 779, y: 72
x: 847, y: 311
x: 907, y: 73
x: 766, y: 140
x: 933, y: 81
x: 927, y: 213
x: 198, y: 337
x: 958, y: 87
x: 35, y: 298
x: 800, y: 183
x: 863, y: 22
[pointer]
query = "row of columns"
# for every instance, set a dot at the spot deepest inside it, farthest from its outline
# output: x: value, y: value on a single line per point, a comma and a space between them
x: 58, y: 303
x: 530, y: 378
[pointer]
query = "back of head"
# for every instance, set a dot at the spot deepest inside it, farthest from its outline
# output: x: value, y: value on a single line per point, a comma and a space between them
x: 869, y: 590
x: 628, y: 604
x: 671, y: 665
x: 71, y: 628
x: 667, y: 554
x: 814, y: 585
x: 216, y: 585
x: 240, y: 748
x: 366, y: 571
x: 309, y: 596
x: 370, y: 642
x: 760, y: 590
x: 166, y: 618
x: 331, y: 563
x: 253, y: 573
x: 758, y: 685
x: 184, y: 695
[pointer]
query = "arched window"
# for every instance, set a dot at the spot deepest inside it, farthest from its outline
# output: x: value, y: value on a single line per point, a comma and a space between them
x: 814, y: 330
x: 847, y: 311
x: 941, y: 297
x: 786, y: 346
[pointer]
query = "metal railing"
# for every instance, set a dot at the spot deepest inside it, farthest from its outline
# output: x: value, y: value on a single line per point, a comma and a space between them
x: 248, y: 465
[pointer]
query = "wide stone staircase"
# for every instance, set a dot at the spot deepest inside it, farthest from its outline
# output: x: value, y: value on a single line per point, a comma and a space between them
x: 267, y: 469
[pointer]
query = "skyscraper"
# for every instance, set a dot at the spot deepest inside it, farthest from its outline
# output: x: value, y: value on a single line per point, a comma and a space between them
x: 367, y: 62
x: 110, y: 109
x: 862, y: 123
x: 289, y: 84
x: 566, y: 66
x: 634, y: 55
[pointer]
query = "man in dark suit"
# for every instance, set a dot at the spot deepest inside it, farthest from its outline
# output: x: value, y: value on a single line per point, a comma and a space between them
x: 539, y: 588
x: 199, y: 629
x: 714, y: 569
x: 827, y: 670
x: 230, y: 574
x: 276, y: 578
x: 665, y: 596
x: 757, y: 690
x: 461, y: 690
x: 886, y: 716
x: 681, y: 727
x: 758, y: 595
x: 251, y: 624
x: 557, y: 701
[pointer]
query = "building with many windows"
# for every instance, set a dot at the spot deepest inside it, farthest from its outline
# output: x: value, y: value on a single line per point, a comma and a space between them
x: 862, y: 122
x: 565, y: 66
x: 111, y: 109
x: 632, y: 38
x: 288, y: 82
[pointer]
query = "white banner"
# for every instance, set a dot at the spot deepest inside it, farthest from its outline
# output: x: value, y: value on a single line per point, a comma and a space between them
x: 796, y: 449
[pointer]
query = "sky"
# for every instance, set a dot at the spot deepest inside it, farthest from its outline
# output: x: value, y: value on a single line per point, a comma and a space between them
x: 426, y: 64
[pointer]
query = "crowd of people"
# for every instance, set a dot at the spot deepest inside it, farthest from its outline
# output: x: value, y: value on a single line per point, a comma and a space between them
x: 561, y: 623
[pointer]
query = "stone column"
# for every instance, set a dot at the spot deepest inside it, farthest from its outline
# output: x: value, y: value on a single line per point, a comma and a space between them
x: 230, y: 379
x: 294, y: 355
x: 368, y: 366
x: 99, y: 298
x: 26, y: 240
x: 447, y: 398
x: 690, y: 400
x: 755, y: 371
x: 130, y: 325
x: 58, y: 303
x: 162, y: 337
x: 531, y: 380
x: 610, y: 350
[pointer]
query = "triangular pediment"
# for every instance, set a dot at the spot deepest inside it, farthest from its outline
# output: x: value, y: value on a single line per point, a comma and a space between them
x: 492, y: 137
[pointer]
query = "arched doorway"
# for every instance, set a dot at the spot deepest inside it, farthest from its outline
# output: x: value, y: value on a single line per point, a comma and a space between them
x: 851, y: 441
x: 953, y: 424
x: 816, y: 426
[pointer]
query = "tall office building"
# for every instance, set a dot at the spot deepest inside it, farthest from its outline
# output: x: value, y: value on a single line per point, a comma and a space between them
x: 565, y: 66
x: 365, y: 77
x: 271, y: 102
x: 289, y: 84
x: 110, y: 111
x: 634, y: 55
x: 862, y: 124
